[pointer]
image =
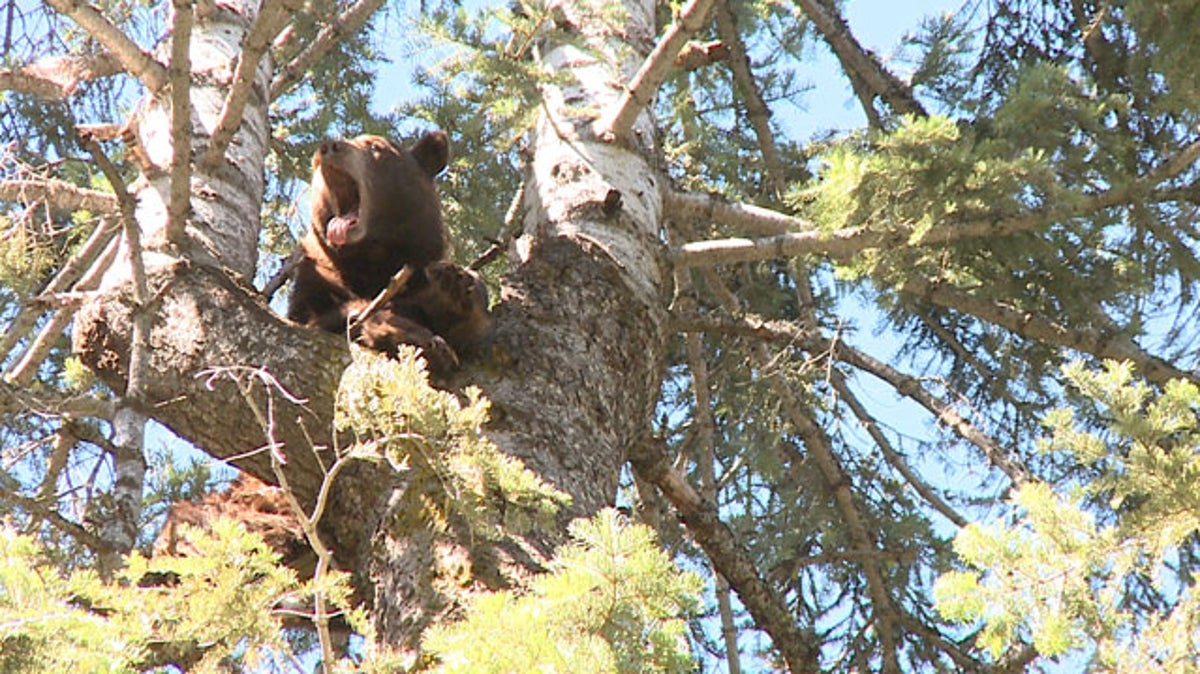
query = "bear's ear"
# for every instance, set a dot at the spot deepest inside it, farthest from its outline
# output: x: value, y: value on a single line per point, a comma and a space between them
x: 432, y: 152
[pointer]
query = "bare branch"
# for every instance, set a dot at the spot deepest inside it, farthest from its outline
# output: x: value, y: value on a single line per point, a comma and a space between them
x: 120, y: 529
x: 137, y: 62
x: 840, y: 244
x: 285, y: 272
x: 708, y: 484
x: 272, y: 17
x: 58, y: 194
x: 650, y: 76
x: 820, y: 451
x: 245, y: 379
x: 859, y: 62
x: 179, y: 205
x: 395, y: 285
x: 58, y: 77
x: 348, y: 23
x: 45, y: 510
x: 696, y: 55
x: 1099, y: 343
x: 49, y: 403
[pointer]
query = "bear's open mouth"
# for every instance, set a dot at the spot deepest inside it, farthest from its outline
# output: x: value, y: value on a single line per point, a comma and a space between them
x: 344, y: 189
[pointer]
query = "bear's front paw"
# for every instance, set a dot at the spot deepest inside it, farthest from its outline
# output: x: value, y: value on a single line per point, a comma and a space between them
x: 439, y: 355
x: 461, y: 287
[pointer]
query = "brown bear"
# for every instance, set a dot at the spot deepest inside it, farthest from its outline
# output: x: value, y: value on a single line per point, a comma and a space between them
x: 374, y: 210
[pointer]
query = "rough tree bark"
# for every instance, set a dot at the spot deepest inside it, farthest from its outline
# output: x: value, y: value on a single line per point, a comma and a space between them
x: 577, y: 360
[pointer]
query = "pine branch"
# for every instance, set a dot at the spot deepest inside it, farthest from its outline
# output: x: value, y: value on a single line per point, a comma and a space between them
x: 131, y: 57
x: 849, y: 241
x: 732, y: 560
x: 58, y: 194
x: 70, y: 272
x: 783, y: 332
x: 348, y: 23
x: 757, y: 112
x: 58, y: 77
x: 820, y: 451
x: 179, y: 205
x: 271, y: 19
x: 859, y: 62
x: 22, y: 370
x: 706, y: 461
x: 654, y: 70
x: 1109, y: 344
x: 911, y: 387
x: 893, y: 457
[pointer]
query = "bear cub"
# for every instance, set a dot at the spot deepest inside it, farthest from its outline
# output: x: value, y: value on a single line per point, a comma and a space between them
x: 375, y: 209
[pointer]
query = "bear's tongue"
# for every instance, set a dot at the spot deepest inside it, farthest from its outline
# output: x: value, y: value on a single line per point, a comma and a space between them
x: 338, y: 229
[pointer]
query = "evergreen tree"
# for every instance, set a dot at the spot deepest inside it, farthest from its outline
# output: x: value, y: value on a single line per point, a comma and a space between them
x: 916, y: 397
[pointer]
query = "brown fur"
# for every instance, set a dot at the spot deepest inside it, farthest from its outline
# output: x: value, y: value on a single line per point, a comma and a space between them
x: 261, y: 508
x: 374, y: 210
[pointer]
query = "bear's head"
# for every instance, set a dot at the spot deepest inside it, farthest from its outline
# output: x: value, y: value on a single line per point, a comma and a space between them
x: 370, y: 192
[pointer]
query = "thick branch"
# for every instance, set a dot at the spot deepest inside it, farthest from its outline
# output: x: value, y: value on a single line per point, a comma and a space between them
x: 58, y: 77
x: 180, y: 204
x: 137, y: 62
x: 714, y: 208
x: 271, y: 19
x: 847, y: 242
x: 730, y: 559
x: 650, y: 76
x: 1101, y: 344
x: 858, y: 61
x: 59, y: 194
x: 347, y: 24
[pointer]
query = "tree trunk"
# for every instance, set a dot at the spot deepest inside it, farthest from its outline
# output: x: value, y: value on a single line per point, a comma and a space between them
x: 573, y: 372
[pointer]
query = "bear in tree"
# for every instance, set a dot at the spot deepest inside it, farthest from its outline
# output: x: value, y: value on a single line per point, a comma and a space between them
x: 375, y: 209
